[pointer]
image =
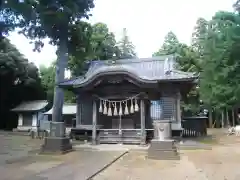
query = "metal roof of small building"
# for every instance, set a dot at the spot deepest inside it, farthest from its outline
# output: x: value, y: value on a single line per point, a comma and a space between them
x: 149, y: 69
x: 68, y: 109
x: 36, y: 105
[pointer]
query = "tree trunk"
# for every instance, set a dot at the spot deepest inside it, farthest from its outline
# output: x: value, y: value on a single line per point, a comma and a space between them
x: 227, y: 116
x: 233, y: 118
x: 59, y: 76
x: 222, y: 119
x: 210, y: 117
x: 236, y: 112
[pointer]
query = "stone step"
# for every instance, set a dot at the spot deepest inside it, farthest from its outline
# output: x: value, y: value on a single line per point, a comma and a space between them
x: 168, y: 144
x: 170, y: 151
x: 163, y: 157
x: 160, y: 153
x: 117, y: 140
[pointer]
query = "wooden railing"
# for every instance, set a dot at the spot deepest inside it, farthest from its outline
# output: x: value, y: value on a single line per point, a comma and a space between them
x: 131, y: 136
x: 194, y: 126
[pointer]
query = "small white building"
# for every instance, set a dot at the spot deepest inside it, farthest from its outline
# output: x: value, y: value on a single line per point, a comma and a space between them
x: 30, y: 113
x: 68, y: 115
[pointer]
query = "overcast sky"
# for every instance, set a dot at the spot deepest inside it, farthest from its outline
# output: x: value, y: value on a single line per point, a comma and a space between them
x: 147, y: 23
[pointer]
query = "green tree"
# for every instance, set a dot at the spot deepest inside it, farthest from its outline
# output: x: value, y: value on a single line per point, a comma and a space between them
x: 19, y: 81
x: 169, y: 46
x: 59, y: 21
x: 199, y: 35
x: 126, y: 47
x: 220, y: 76
x: 185, y: 61
x: 47, y: 75
x: 101, y: 46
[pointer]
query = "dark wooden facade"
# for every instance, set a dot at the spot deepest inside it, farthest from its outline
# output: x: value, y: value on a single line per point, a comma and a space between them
x: 159, y: 91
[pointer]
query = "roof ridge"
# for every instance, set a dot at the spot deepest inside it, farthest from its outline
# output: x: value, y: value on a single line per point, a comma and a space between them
x: 43, y: 100
x: 182, y: 72
x: 134, y: 60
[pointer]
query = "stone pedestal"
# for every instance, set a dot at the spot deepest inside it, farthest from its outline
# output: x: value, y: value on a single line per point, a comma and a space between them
x: 162, y: 146
x: 162, y: 130
x: 57, y: 142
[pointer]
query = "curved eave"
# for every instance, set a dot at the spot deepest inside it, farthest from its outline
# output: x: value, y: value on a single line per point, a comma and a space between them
x: 141, y: 81
x: 122, y: 72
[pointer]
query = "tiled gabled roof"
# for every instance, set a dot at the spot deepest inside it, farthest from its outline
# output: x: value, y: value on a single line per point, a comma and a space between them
x: 35, y: 105
x: 147, y: 69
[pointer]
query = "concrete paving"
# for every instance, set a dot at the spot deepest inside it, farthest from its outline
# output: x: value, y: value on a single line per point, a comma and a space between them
x: 19, y: 161
x: 221, y: 162
x: 79, y: 165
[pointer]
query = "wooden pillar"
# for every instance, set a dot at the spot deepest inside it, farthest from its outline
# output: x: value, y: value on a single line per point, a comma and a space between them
x: 78, y: 111
x: 178, y: 108
x: 94, y: 123
x: 143, y: 118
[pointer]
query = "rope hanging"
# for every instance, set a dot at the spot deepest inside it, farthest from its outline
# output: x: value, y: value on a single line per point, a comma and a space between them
x: 115, y: 108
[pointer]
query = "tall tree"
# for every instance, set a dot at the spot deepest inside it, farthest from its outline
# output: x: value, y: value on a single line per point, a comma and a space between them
x: 185, y: 61
x: 169, y: 46
x: 101, y: 46
x: 126, y: 47
x: 57, y: 20
x: 199, y: 35
x: 220, y: 77
x: 103, y: 42
x: 19, y: 81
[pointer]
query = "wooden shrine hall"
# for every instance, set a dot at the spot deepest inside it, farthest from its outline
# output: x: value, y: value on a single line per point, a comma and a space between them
x: 118, y: 100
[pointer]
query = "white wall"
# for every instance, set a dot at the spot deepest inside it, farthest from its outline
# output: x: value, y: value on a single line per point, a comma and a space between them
x: 20, y: 120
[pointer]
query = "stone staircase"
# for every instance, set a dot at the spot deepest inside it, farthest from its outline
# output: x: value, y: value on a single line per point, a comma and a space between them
x: 113, y: 137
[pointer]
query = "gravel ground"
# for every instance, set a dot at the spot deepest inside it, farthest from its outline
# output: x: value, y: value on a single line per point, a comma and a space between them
x: 219, y: 163
x: 14, y: 147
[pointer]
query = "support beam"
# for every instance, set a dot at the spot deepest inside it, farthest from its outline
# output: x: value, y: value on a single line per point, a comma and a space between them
x: 94, y: 123
x: 179, y: 115
x: 143, y: 117
x: 78, y: 111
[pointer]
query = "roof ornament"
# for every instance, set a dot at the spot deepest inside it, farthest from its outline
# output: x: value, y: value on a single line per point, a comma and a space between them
x: 111, y: 62
x: 167, y: 66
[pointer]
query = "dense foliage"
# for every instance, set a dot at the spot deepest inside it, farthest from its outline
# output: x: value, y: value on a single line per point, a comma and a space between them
x: 19, y: 81
x: 214, y: 54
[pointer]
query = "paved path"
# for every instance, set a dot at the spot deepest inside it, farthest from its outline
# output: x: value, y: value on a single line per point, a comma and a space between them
x: 14, y: 147
x: 77, y: 165
x: 18, y: 162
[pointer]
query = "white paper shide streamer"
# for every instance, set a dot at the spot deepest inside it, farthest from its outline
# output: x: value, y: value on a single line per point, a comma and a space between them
x: 115, y: 109
x: 118, y: 108
x: 105, y: 107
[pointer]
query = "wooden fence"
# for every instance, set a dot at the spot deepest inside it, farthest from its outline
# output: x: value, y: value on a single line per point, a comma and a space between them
x: 194, y: 126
